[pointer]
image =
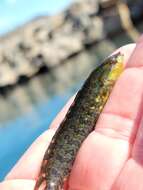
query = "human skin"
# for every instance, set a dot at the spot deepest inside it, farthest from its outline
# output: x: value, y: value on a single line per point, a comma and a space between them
x: 111, y: 157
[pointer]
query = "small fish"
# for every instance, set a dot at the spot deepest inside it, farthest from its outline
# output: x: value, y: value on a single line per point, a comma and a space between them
x: 78, y: 123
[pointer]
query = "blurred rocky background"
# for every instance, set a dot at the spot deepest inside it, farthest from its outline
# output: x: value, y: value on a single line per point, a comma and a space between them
x: 49, y: 42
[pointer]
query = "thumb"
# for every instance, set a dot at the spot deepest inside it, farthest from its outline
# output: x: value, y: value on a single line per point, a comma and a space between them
x: 16, y: 184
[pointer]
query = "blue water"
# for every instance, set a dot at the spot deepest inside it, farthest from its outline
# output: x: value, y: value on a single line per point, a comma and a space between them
x: 17, y: 135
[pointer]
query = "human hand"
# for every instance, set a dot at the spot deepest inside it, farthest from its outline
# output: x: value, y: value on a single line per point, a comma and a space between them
x: 111, y: 156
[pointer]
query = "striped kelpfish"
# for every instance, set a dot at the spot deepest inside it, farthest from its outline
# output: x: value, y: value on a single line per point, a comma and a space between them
x: 78, y: 123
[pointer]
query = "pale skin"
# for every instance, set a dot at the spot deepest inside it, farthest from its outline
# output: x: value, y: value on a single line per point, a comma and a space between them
x: 111, y: 158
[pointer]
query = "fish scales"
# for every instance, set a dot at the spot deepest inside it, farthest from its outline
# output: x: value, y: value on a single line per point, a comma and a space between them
x: 78, y: 123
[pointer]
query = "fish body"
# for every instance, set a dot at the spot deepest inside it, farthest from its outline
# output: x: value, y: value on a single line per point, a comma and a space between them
x: 78, y: 123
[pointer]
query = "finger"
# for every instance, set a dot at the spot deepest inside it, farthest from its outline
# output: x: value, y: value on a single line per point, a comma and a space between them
x: 136, y: 58
x: 23, y: 168
x: 137, y: 152
x: 133, y: 169
x: 28, y: 166
x: 114, y: 133
x: 17, y: 185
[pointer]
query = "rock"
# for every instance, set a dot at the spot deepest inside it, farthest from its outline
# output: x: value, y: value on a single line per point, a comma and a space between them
x: 46, y: 42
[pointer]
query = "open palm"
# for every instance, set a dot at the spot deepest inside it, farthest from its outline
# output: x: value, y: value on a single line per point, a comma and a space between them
x: 111, y: 158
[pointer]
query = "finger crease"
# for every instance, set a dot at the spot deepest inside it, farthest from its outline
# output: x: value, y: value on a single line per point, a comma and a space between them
x: 122, y: 132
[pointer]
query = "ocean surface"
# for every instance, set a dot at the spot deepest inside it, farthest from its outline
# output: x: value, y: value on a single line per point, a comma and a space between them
x: 16, y: 135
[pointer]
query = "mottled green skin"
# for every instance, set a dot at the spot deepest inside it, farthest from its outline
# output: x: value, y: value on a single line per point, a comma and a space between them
x: 78, y: 123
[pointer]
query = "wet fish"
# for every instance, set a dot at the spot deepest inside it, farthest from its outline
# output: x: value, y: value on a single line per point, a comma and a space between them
x: 78, y: 123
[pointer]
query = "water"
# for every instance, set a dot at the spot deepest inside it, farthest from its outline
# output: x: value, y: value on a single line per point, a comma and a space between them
x: 17, y: 135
